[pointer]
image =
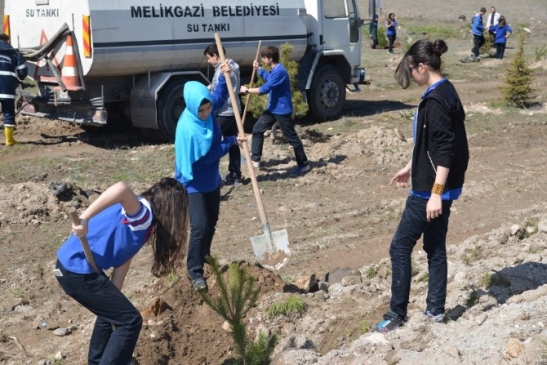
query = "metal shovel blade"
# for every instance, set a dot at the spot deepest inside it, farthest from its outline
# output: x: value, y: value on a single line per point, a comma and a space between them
x: 272, y: 249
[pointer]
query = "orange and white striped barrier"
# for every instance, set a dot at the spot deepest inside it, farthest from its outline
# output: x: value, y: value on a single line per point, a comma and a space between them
x: 69, y: 72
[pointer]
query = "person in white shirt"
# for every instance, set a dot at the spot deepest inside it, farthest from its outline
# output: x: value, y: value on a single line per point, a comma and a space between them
x: 492, y: 19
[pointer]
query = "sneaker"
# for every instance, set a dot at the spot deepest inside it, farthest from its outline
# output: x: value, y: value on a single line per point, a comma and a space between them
x: 391, y: 322
x: 257, y: 164
x: 301, y: 170
x: 232, y: 179
x: 199, y: 284
x: 434, y: 317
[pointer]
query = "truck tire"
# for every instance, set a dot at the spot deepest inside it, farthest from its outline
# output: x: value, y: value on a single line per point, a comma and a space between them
x: 327, y: 94
x: 170, y: 106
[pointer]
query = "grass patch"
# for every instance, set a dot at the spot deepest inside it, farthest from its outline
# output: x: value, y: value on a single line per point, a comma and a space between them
x: 291, y: 306
x: 432, y: 32
x: 472, y: 299
x: 108, y: 168
x: 494, y: 279
x: 371, y: 272
x: 424, y: 278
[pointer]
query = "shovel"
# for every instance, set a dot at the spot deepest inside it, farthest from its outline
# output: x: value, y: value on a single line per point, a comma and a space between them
x: 271, y: 248
x: 83, y: 241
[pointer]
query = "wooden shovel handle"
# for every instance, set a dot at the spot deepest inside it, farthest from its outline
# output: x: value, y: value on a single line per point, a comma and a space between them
x: 87, y: 251
x: 251, y: 83
x: 250, y: 167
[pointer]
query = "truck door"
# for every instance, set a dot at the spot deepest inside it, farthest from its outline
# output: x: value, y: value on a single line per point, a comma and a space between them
x: 341, y: 28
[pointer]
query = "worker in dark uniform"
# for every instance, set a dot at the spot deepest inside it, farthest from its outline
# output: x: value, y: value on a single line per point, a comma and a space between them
x: 12, y: 71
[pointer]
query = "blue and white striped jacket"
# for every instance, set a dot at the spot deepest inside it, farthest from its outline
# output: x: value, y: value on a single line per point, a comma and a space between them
x: 12, y: 70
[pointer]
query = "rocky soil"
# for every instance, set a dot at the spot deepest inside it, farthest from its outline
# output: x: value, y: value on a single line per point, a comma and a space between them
x: 340, y: 218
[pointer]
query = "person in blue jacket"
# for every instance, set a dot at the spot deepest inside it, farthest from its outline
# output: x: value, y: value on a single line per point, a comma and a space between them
x: 478, y: 30
x: 278, y: 87
x: 501, y: 31
x: 391, y: 32
x: 199, y: 146
x: 12, y: 71
x: 117, y: 225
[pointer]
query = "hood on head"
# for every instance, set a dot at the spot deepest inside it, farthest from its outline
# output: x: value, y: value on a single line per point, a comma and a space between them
x: 194, y: 93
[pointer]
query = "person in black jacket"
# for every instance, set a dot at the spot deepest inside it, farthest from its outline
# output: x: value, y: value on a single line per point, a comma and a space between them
x: 12, y: 70
x: 437, y: 172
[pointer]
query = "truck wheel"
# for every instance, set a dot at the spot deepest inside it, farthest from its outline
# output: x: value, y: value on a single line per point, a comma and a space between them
x: 327, y: 94
x: 170, y: 107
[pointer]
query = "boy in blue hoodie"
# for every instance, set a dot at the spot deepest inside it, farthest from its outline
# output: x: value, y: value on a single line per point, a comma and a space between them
x: 278, y: 87
x: 478, y: 30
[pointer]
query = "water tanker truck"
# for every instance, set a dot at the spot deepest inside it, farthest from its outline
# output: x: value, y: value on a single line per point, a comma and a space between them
x: 113, y: 64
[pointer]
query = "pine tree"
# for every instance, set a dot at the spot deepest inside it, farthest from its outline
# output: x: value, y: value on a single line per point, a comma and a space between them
x: 237, y: 296
x: 518, y: 90
x: 258, y: 104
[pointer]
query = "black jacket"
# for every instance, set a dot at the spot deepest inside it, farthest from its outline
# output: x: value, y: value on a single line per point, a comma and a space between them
x: 441, y: 139
x: 12, y: 70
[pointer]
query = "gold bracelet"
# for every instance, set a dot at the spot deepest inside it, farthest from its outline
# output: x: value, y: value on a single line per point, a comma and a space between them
x: 437, y: 189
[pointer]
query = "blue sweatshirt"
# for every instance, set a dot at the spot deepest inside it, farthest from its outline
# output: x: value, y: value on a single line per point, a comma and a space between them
x: 392, y: 30
x: 501, y: 33
x: 478, y: 27
x: 113, y: 236
x: 278, y: 85
x: 198, y: 144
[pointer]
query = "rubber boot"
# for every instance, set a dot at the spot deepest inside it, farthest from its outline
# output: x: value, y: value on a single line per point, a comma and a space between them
x: 8, y: 132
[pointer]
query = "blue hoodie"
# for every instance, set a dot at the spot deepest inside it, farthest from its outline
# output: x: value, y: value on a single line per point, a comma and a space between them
x: 198, y: 143
x: 478, y: 27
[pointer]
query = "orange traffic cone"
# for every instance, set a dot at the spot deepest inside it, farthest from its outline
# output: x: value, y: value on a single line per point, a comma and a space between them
x: 69, y: 73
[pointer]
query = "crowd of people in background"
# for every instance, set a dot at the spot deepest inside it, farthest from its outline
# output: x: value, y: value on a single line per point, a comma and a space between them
x: 496, y: 30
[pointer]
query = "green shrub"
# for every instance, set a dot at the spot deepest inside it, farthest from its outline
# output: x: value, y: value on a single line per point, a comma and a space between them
x: 371, y: 272
x: 382, y: 38
x: 517, y: 91
x: 237, y: 296
x: 541, y: 52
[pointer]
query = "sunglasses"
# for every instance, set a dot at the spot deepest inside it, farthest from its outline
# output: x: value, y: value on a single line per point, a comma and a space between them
x: 413, y: 67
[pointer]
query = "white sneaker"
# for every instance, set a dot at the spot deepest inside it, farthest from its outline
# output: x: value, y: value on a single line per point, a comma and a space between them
x: 256, y: 164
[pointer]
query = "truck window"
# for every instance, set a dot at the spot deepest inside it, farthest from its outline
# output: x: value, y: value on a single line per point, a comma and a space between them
x: 335, y: 9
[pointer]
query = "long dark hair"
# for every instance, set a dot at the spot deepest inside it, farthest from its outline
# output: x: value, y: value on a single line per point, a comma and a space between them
x: 169, y: 201
x: 423, y: 51
x: 502, y: 22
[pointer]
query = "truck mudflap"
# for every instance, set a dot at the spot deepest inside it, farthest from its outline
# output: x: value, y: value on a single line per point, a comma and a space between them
x: 80, y: 113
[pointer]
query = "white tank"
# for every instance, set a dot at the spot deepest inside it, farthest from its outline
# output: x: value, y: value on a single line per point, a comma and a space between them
x: 138, y: 36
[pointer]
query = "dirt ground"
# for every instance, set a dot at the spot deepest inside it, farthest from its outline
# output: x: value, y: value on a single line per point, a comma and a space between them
x: 341, y: 214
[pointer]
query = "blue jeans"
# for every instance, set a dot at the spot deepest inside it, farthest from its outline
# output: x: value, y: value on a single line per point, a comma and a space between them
x: 286, y: 123
x: 411, y: 227
x: 204, y: 209
x: 97, y: 293
x: 8, y: 109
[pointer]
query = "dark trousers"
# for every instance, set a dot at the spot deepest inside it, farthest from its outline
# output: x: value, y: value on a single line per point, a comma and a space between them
x: 286, y: 123
x: 412, y: 225
x: 8, y: 109
x: 391, y: 39
x: 228, y: 126
x: 374, y: 42
x: 109, y: 345
x: 478, y: 42
x: 500, y: 50
x: 204, y: 209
